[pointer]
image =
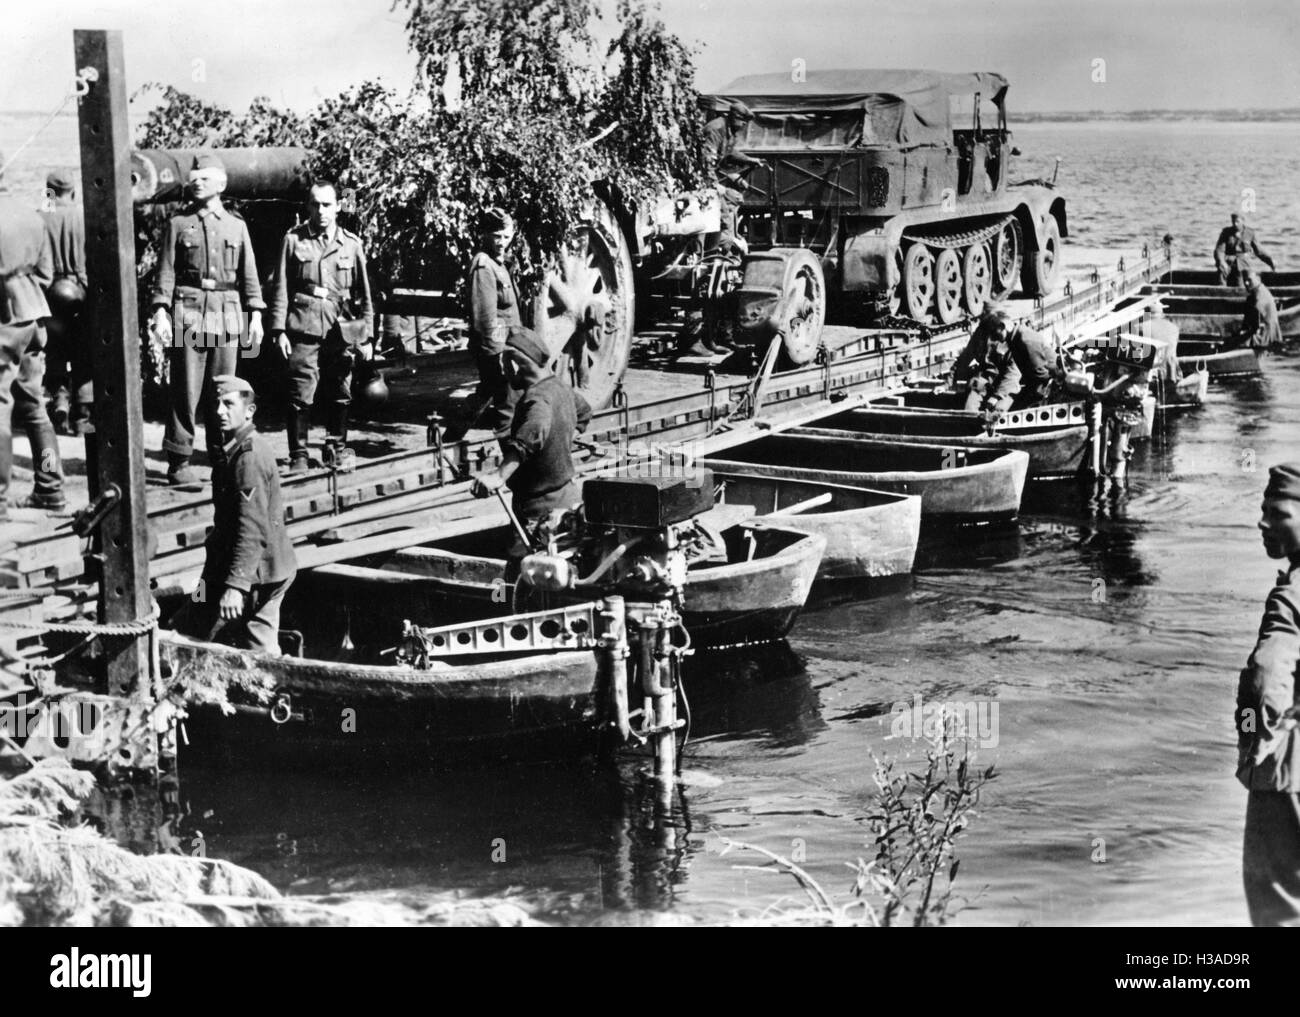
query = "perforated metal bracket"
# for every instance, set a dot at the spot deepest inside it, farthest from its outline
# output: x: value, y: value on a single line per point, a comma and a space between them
x: 565, y: 628
x: 1053, y: 415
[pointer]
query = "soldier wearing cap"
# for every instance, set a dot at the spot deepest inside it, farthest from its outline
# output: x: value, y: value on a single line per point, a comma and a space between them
x: 492, y: 312
x: 1268, y: 741
x: 207, y: 275
x: 725, y: 161
x: 1005, y: 364
x: 1234, y: 249
x: 67, y: 361
x: 26, y: 268
x: 321, y: 313
x: 250, y: 561
x: 537, y: 453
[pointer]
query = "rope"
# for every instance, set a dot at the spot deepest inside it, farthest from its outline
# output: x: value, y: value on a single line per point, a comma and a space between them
x: 140, y: 627
x: 80, y: 86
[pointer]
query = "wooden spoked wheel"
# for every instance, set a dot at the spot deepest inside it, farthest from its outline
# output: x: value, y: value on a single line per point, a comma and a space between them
x: 586, y: 311
x: 918, y: 282
x: 977, y: 274
x: 948, y: 286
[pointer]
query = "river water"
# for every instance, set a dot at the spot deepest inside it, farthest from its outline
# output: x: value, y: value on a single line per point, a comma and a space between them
x: 1108, y: 631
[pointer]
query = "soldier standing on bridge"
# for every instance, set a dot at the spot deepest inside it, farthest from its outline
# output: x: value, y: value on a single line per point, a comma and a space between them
x: 1233, y: 252
x: 493, y: 312
x: 321, y: 313
x: 67, y: 361
x: 25, y: 268
x: 208, y: 276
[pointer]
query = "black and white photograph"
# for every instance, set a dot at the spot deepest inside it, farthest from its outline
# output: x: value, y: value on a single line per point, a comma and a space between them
x: 675, y: 463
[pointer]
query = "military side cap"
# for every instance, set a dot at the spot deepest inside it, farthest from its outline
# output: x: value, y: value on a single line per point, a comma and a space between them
x: 739, y: 109
x: 1284, y: 481
x: 207, y: 160
x: 59, y: 181
x: 494, y: 220
x: 525, y: 341
x: 225, y: 384
x: 714, y: 104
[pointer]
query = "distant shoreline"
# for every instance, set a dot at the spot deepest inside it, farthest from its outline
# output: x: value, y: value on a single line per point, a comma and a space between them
x: 1249, y: 116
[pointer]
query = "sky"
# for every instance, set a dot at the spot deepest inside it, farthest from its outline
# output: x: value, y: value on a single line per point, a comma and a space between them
x: 1060, y: 55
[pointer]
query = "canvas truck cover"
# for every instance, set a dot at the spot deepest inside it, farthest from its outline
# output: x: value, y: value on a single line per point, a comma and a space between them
x: 855, y: 107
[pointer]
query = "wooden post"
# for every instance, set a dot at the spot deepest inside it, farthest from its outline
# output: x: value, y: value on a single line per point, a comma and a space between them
x: 114, y: 336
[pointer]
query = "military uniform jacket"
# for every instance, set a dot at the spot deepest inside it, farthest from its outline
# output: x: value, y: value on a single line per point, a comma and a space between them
x: 207, y: 273
x: 989, y: 366
x: 319, y: 280
x: 26, y: 267
x: 65, y: 225
x: 493, y: 304
x: 248, y: 545
x: 1268, y: 757
x: 1035, y: 358
x: 1260, y: 325
x: 1234, y: 248
x: 541, y: 437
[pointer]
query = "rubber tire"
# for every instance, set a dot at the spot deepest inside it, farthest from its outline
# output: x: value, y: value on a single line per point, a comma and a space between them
x: 803, y: 278
x: 1003, y: 284
x: 1043, y: 268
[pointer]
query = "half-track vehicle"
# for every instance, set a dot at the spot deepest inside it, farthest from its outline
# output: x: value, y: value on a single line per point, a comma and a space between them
x: 875, y: 194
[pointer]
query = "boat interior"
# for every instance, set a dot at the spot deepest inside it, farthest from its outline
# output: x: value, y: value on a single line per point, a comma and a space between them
x: 850, y: 455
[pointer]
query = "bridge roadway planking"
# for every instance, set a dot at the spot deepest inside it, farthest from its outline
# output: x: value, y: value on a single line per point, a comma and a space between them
x: 410, y: 485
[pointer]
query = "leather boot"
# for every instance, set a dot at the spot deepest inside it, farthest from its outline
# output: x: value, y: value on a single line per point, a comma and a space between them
x: 336, y: 424
x: 297, y: 426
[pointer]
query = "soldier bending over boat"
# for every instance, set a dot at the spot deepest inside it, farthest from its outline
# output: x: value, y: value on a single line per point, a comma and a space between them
x: 1268, y: 741
x: 1259, y: 326
x: 1005, y: 366
x: 250, y: 560
x: 537, y: 453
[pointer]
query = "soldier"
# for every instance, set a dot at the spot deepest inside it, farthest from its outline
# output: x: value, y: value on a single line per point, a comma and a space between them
x: 250, y: 561
x: 1005, y: 365
x: 208, y: 276
x: 537, y: 454
x: 1259, y: 326
x: 493, y: 311
x: 26, y: 267
x: 66, y: 359
x: 1268, y: 741
x: 321, y: 314
x: 1232, y: 253
x: 726, y: 162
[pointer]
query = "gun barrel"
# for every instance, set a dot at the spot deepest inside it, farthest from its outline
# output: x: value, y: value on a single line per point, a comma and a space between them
x: 159, y: 175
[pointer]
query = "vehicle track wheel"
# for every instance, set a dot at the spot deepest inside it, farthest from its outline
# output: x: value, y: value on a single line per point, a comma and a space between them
x: 1044, y: 265
x: 894, y: 302
x: 586, y: 310
x: 977, y: 273
x: 805, y: 307
x: 918, y: 282
x: 1006, y: 260
x: 947, y: 285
